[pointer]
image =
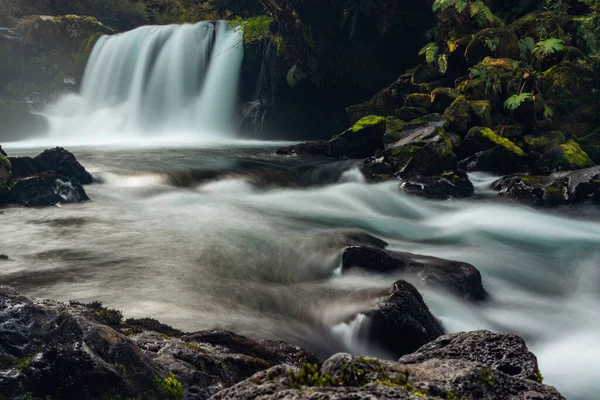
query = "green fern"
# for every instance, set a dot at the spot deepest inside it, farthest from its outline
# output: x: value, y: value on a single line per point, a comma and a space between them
x: 526, y: 47
x: 492, y: 44
x: 431, y: 51
x: 548, y: 46
x: 516, y: 100
x: 548, y: 112
x: 442, y: 5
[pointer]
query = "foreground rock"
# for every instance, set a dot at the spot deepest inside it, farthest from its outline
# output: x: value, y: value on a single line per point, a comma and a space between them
x: 560, y: 188
x: 85, y: 351
x: 402, y: 322
x: 53, y: 177
x: 458, y: 277
x: 448, y: 185
x: 468, y: 374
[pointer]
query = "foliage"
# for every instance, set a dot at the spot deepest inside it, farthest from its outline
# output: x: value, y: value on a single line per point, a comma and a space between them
x: 516, y: 100
x: 103, y: 315
x: 539, y: 377
x: 548, y: 47
x: 477, y: 10
x: 255, y: 29
x: 432, y: 56
x: 171, y: 388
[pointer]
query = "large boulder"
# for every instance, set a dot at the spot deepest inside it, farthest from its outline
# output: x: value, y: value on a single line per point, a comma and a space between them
x: 492, y: 42
x: 504, y: 353
x: 566, y: 187
x: 484, y: 150
x: 24, y: 167
x: 63, y: 163
x: 568, y: 156
x: 458, y: 277
x: 363, y: 139
x: 46, y: 189
x: 478, y: 369
x: 462, y: 114
x: 402, y: 322
x: 423, y: 150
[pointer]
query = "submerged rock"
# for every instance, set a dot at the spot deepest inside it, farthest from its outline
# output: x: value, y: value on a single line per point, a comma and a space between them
x: 460, y: 278
x: 437, y: 375
x: 402, y: 322
x: 566, y: 187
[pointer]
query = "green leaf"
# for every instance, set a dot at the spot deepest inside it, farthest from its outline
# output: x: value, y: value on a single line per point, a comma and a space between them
x: 516, y: 100
x: 548, y: 112
x: 443, y: 63
x: 549, y: 46
x: 441, y: 5
x: 430, y: 50
x: 461, y: 5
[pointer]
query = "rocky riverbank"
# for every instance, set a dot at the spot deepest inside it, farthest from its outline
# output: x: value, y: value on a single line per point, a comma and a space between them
x: 86, y: 351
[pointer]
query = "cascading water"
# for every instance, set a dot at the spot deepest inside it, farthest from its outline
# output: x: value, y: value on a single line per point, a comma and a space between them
x: 164, y: 81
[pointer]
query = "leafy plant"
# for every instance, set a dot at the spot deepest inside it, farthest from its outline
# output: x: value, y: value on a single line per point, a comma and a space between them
x: 477, y: 10
x: 516, y: 100
x: 430, y: 50
x: 548, y: 47
x: 255, y: 29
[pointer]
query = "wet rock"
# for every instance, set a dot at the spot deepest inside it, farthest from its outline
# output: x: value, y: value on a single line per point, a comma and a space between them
x: 410, y: 113
x: 402, y: 322
x: 423, y: 150
x: 4, y: 257
x: 362, y: 140
x: 568, y: 156
x: 24, y: 167
x: 460, y: 278
x: 458, y: 115
x: 52, y: 350
x: 63, y: 163
x: 442, y: 98
x: 419, y: 100
x: 46, y: 189
x: 305, y: 149
x: 2, y: 152
x: 566, y: 187
x: 506, y: 353
x: 346, y: 377
x: 543, y: 143
x: 450, y: 184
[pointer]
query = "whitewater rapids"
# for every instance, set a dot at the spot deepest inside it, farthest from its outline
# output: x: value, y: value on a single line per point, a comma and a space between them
x: 168, y: 237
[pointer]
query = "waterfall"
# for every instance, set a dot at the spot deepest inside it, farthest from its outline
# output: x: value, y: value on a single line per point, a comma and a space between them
x: 156, y: 81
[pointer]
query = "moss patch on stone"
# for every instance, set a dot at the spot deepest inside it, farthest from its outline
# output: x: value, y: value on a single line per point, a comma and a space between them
x: 507, y: 144
x: 574, y: 157
x: 368, y: 122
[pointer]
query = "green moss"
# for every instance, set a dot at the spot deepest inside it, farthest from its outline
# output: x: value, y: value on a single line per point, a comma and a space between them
x: 545, y: 142
x: 483, y: 111
x: 23, y: 363
x: 507, y: 144
x: 170, y: 387
x: 310, y: 375
x: 418, y: 100
x: 539, y: 377
x: 192, y: 346
x: 393, y: 124
x: 367, y: 122
x: 486, y: 376
x: 573, y: 157
x: 533, y: 181
x: 101, y: 314
x: 458, y: 115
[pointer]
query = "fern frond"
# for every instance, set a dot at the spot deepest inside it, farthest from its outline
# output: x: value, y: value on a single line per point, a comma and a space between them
x: 549, y: 46
x: 526, y: 47
x: 516, y: 100
x: 431, y: 51
x: 548, y: 112
x: 483, y: 14
x: 461, y: 5
x: 442, y: 5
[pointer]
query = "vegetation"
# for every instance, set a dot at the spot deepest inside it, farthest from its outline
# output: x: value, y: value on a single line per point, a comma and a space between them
x: 170, y: 387
x: 104, y: 315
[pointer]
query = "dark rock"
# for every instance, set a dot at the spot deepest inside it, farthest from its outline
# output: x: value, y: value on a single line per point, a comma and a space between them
x: 461, y: 278
x: 450, y: 184
x: 410, y: 113
x: 305, y: 149
x: 52, y: 350
x: 442, y: 98
x: 567, y: 187
x: 24, y: 167
x: 419, y: 100
x: 363, y: 139
x: 402, y: 322
x: 492, y: 42
x: 506, y: 353
x: 363, y: 378
x: 4, y: 257
x: 46, y: 189
x: 5, y: 176
x: 2, y: 152
x: 139, y: 325
x: 423, y: 150
x: 63, y: 163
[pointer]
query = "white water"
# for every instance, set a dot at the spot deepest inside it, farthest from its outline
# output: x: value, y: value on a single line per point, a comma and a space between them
x: 178, y: 82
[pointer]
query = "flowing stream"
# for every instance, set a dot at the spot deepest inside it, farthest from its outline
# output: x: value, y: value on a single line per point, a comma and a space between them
x: 227, y: 234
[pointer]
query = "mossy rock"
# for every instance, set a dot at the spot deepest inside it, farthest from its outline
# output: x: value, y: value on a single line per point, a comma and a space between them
x: 543, y: 143
x: 591, y: 145
x: 418, y: 100
x: 483, y: 138
x: 442, y: 98
x: 492, y: 42
x: 568, y: 86
x: 481, y: 112
x: 458, y: 116
x: 392, y: 130
x: 539, y: 25
x: 425, y: 73
x: 410, y: 113
x: 568, y: 156
x: 363, y: 139
x: 5, y: 175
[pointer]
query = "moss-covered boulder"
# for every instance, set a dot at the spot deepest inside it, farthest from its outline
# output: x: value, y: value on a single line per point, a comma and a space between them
x: 568, y: 156
x: 539, y: 25
x: 543, y: 143
x: 568, y: 86
x: 491, y: 79
x: 591, y: 145
x: 425, y: 150
x: 442, y: 98
x: 492, y: 42
x: 363, y: 139
x: 463, y: 114
x: 410, y: 113
x: 5, y: 175
x: 420, y: 100
x: 487, y: 151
